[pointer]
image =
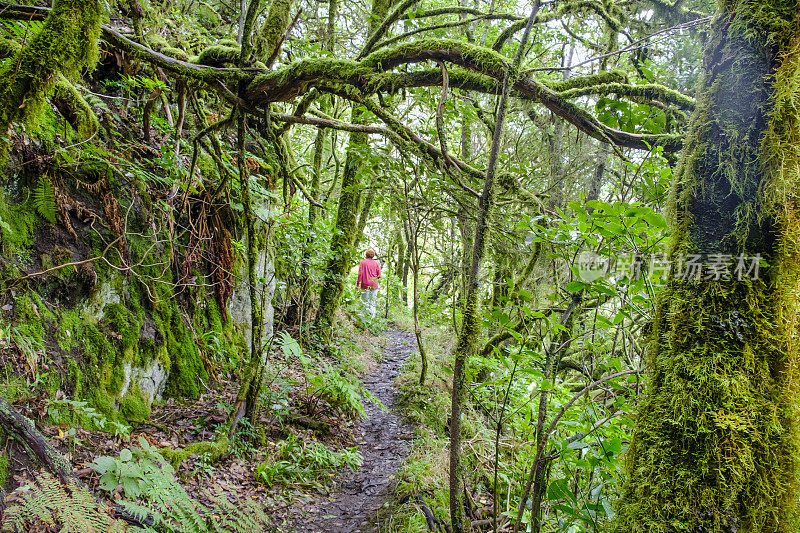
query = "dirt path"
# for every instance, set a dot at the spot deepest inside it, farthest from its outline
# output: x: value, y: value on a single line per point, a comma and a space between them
x: 357, y: 496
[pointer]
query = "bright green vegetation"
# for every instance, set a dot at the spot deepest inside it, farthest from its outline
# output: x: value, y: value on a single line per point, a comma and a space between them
x: 188, y: 190
x: 295, y: 463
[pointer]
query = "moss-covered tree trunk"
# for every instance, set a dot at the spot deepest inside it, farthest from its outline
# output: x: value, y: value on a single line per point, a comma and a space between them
x: 470, y: 323
x: 346, y: 230
x: 345, y: 233
x: 716, y: 443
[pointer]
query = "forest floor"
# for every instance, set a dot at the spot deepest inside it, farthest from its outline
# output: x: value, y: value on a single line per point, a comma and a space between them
x: 354, y: 500
x: 345, y: 502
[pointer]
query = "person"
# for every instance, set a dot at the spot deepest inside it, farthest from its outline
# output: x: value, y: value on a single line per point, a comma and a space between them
x: 368, y: 272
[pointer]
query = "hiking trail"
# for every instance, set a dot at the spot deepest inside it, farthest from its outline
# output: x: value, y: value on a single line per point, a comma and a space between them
x: 356, y: 497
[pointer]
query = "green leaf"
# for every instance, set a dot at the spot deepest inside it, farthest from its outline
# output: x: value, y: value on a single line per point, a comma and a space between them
x: 103, y: 464
x: 108, y: 481
x: 655, y: 219
x: 576, y: 286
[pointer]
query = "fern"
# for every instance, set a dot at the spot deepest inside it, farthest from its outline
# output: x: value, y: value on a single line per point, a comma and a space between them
x: 173, y: 510
x: 44, y: 199
x: 67, y: 508
x: 47, y: 504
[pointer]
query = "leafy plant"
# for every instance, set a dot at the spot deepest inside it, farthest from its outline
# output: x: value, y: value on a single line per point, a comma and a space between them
x: 44, y: 199
x: 65, y: 411
x: 204, y: 466
x: 242, y: 443
x: 343, y: 393
x: 150, y: 485
x: 49, y: 503
x: 298, y: 463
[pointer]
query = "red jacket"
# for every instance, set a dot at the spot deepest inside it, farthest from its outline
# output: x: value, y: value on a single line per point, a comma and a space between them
x: 368, y: 271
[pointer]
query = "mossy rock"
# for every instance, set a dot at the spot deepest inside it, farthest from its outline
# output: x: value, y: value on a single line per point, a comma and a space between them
x: 135, y: 407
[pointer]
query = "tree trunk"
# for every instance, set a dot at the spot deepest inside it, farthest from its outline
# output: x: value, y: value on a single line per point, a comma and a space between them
x: 345, y: 232
x: 716, y: 443
x: 470, y: 323
x: 316, y: 179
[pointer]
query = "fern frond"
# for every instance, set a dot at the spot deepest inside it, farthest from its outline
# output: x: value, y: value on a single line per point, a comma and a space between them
x: 49, y: 503
x: 44, y: 199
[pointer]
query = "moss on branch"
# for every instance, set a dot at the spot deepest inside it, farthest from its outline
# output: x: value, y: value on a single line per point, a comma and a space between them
x: 66, y: 44
x: 650, y: 91
x: 219, y: 55
x: 610, y: 76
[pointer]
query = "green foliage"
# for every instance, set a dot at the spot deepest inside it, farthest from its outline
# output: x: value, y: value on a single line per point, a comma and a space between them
x: 49, y: 503
x: 66, y: 43
x: 342, y: 392
x: 305, y: 464
x: 44, y: 199
x: 73, y: 412
x: 16, y: 226
x: 150, y: 481
x: 4, y: 458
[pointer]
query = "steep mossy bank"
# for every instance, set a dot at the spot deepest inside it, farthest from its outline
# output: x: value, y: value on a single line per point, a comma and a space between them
x: 113, y: 319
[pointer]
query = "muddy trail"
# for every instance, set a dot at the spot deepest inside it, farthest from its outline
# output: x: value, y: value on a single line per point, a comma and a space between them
x: 355, y: 498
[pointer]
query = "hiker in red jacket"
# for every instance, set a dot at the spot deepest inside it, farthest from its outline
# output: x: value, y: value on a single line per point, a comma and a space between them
x: 368, y: 272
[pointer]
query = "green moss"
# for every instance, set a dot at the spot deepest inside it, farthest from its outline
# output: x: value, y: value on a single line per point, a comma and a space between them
x: 122, y: 322
x: 717, y: 442
x: 489, y: 61
x: 177, y: 53
x: 70, y: 329
x: 16, y: 227
x: 65, y: 45
x: 609, y: 76
x: 207, y: 167
x: 102, y: 359
x: 650, y: 91
x: 215, y: 449
x: 8, y: 48
x: 29, y: 315
x: 16, y: 387
x: 186, y: 368
x: 76, y: 378
x: 219, y: 56
x: 275, y: 24
x: 134, y: 406
x: 156, y: 42
x: 71, y: 104
x: 3, y: 469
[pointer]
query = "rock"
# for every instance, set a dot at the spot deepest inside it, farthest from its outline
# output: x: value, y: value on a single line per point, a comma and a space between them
x: 239, y: 305
x: 151, y: 379
x: 103, y: 296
